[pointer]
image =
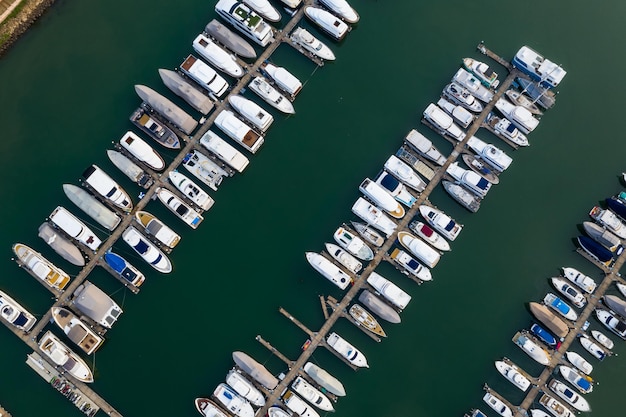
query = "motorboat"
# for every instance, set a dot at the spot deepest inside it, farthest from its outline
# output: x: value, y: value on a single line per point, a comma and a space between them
x: 621, y: 287
x: 271, y: 95
x: 551, y: 320
x: 285, y: 80
x: 611, y: 322
x: 572, y: 398
x: 540, y: 69
x: 342, y: 9
x: 14, y: 314
x: 457, y: 94
x: 147, y: 250
x: 609, y: 219
x: 256, y: 371
x: 520, y: 99
x: 469, y: 179
x: 604, y: 237
x: 426, y: 233
x: 133, y: 171
x: 96, y: 304
x: 560, y: 306
x: 381, y: 198
x: 276, y: 411
x: 245, y: 388
x: 554, y: 406
x: 306, y: 40
x: 208, y: 408
x: 183, y: 89
x: 156, y: 228
x: 544, y: 97
x: 298, y: 405
x: 480, y: 168
x: 329, y: 270
x: 191, y: 190
x: 91, y: 206
x: 571, y: 293
x: 107, y: 188
x: 520, y: 116
x: 245, y: 20
x: 390, y: 291
x: 344, y: 258
x: 233, y: 402
x: 327, y: 21
x: 62, y: 246
x: 410, y: 265
x: 544, y: 335
x: 239, y: 131
x: 205, y: 169
x: 603, y: 339
x: 314, y: 396
x: 41, y: 268
x: 513, y: 374
x: 224, y: 151
x: 251, y: 111
x: 460, y: 114
x: 532, y: 349
x: 581, y: 280
x: 76, y: 330
x: 489, y: 153
x: 395, y: 188
x: 462, y: 195
x: 353, y: 244
x: 596, y: 250
x: 179, y: 207
x: 364, y: 318
x: 166, y: 108
x: 373, y: 216
x: 484, y: 72
x: 616, y: 304
x: 580, y: 382
x: 504, y: 129
x: 217, y: 56
x: 230, y: 39
x: 579, y: 362
x: 265, y: 9
x: 368, y: 233
x: 442, y: 123
x: 379, y: 307
x: 124, y: 269
x: 424, y: 147
x: 346, y: 350
x: 73, y: 227
x: 441, y: 222
x: 138, y: 148
x: 475, y: 413
x: 324, y: 379
x: 204, y: 75
x: 592, y: 347
x: 467, y: 80
x: 497, y: 405
x: 617, y: 206
x: 145, y: 120
x: 64, y: 357
x: 399, y: 169
x: 420, y: 249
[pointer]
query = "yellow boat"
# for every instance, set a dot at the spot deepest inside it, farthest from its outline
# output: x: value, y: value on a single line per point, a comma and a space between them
x: 366, y: 319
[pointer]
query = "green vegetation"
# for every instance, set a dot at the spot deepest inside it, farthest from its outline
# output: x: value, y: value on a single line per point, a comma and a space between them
x: 7, y: 26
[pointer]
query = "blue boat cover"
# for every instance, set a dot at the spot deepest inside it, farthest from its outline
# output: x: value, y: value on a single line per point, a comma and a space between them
x: 543, y: 334
x: 413, y: 264
x: 511, y: 128
x: 390, y: 183
x: 142, y: 246
x: 450, y: 225
x: 617, y: 206
x: 594, y: 248
x: 115, y: 261
x: 20, y: 320
x: 483, y: 184
x: 583, y: 384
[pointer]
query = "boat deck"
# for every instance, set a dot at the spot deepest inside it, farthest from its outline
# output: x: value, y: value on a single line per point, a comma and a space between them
x: 333, y: 303
x: 420, y: 165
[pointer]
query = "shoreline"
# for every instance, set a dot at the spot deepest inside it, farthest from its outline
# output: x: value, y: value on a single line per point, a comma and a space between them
x: 16, y: 25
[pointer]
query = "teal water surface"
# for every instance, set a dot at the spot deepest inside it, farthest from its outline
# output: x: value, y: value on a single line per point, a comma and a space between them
x: 66, y: 90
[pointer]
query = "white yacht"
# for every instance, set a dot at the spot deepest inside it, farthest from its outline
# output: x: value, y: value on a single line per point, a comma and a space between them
x: 518, y: 115
x: 156, y: 228
x: 608, y: 219
x: 425, y: 147
x: 344, y: 258
x: 239, y: 131
x: 329, y: 270
x: 342, y: 9
x: 76, y: 330
x: 497, y: 405
x: 204, y: 75
x: 379, y: 307
x: 230, y: 39
x: 345, y: 349
x: 96, y: 304
x: 353, y: 244
x: 271, y: 95
x: 395, y: 188
x: 251, y: 111
x: 399, y: 169
x: 327, y: 21
x: 560, y: 306
x: 147, y: 250
x: 513, y: 374
x: 484, y: 72
x: 14, y: 314
x: 183, y: 89
x: 470, y: 179
x: 324, y: 379
x: 61, y: 245
x: 255, y: 370
x: 217, y: 56
x: 532, y: 349
x: 611, y: 322
x: 462, y: 195
x: 554, y: 406
x: 493, y: 156
x: 504, y: 129
x: 303, y: 37
x: 441, y: 222
x: 572, y: 398
x: 167, y: 109
x: 457, y: 94
x: 579, y: 362
x: 389, y: 290
x: 590, y: 346
x: 285, y: 80
x: 604, y: 237
x: 191, y: 190
x: 426, y: 233
x: 208, y: 408
x: 245, y: 388
x: 374, y: 216
x: 179, y: 208
x: 265, y: 9
x: 473, y: 84
x: 61, y: 355
x: 233, y: 402
x: 110, y: 190
x: 584, y: 384
x: 411, y: 266
x: 420, y: 249
x: 571, y: 293
x: 381, y: 198
x: 539, y: 68
x: 368, y: 233
x: 41, y: 268
x: 246, y: 21
x: 603, y: 339
x: 298, y: 405
x: 142, y: 151
x: 311, y: 394
x: 224, y: 151
x: 583, y: 281
x: 204, y: 169
x: 459, y: 113
x: 130, y: 169
x: 75, y: 228
x: 90, y: 205
x: 442, y: 122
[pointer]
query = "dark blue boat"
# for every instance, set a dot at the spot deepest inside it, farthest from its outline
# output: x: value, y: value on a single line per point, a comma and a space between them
x: 617, y: 207
x: 544, y: 335
x: 124, y: 269
x: 596, y: 250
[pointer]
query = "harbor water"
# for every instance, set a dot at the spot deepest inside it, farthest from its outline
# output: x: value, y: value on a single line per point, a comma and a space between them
x: 66, y: 90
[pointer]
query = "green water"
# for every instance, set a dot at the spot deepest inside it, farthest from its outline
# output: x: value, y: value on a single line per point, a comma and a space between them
x: 66, y: 91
